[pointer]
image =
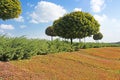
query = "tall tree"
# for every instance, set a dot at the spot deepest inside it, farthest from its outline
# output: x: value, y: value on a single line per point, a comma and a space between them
x: 50, y: 32
x: 97, y: 36
x: 76, y: 25
x: 9, y: 9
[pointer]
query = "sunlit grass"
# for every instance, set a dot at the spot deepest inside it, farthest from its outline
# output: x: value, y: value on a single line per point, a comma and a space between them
x: 110, y: 53
x: 73, y: 66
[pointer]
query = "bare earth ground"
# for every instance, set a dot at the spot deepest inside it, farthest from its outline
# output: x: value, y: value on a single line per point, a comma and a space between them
x: 85, y: 64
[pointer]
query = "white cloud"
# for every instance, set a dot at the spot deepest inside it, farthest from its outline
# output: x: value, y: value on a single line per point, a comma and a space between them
x: 19, y: 19
x: 1, y: 31
x: 46, y: 12
x: 6, y: 27
x: 97, y: 5
x: 100, y: 18
x: 23, y: 26
x: 77, y: 9
x: 114, y: 20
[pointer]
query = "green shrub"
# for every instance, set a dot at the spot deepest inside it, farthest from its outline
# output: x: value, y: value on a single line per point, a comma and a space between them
x: 22, y: 48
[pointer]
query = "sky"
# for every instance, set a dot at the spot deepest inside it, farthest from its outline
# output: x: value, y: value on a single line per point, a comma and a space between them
x: 37, y: 15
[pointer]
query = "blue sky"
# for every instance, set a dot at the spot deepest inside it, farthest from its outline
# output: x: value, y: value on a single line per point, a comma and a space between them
x: 37, y: 15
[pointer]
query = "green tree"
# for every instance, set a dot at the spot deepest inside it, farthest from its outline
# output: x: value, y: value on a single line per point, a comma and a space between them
x: 76, y: 25
x: 50, y: 32
x: 97, y: 36
x: 9, y: 9
x: 80, y: 36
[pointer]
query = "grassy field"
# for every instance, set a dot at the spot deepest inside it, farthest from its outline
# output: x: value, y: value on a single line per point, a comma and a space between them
x: 85, y: 64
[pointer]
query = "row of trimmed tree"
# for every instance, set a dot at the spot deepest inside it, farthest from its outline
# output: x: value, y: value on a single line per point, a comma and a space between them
x: 75, y: 25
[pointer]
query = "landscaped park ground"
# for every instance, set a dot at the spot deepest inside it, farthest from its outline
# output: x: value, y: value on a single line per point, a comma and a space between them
x: 85, y: 64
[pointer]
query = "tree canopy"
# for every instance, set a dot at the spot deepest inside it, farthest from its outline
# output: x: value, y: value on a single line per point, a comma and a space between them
x: 50, y: 31
x: 98, y: 36
x: 9, y: 9
x: 76, y: 25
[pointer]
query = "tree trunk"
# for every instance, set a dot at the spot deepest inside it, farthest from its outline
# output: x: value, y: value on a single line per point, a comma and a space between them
x: 51, y: 38
x: 79, y: 39
x: 84, y: 41
x: 98, y: 41
x: 71, y: 40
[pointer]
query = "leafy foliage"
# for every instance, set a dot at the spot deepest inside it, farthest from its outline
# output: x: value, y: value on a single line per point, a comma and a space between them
x: 23, y: 48
x: 50, y: 31
x: 76, y: 25
x: 98, y: 36
x: 9, y: 9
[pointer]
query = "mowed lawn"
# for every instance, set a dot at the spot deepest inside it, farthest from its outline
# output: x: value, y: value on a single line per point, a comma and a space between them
x: 85, y: 64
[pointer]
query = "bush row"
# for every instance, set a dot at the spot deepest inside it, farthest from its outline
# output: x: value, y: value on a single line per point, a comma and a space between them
x: 22, y: 48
